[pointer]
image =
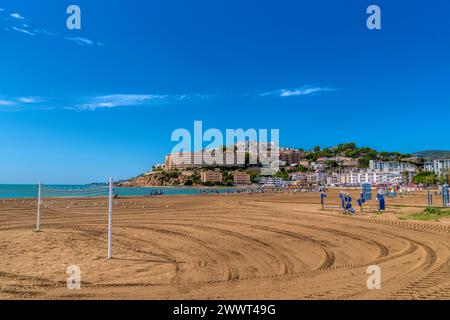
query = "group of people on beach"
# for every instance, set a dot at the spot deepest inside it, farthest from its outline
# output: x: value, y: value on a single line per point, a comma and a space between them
x: 346, y: 201
x: 237, y: 191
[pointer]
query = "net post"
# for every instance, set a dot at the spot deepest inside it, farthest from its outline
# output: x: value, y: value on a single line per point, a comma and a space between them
x: 38, y: 213
x: 110, y: 218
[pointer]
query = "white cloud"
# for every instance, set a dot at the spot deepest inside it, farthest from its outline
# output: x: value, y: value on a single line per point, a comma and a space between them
x: 30, y: 100
x: 303, y: 91
x: 23, y: 31
x: 98, y: 102
x: 20, y: 101
x: 186, y: 97
x: 84, y: 41
x: 17, y: 16
x: 29, y: 29
x: 118, y: 100
x: 44, y: 32
x: 81, y: 41
x: 6, y: 102
x: 123, y: 100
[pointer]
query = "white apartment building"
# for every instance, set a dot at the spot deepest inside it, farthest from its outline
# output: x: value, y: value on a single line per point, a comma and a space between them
x: 375, y: 165
x: 272, y: 182
x: 357, y: 178
x: 317, y: 178
x: 298, y: 176
x: 333, y: 180
x: 438, y: 166
x: 191, y: 160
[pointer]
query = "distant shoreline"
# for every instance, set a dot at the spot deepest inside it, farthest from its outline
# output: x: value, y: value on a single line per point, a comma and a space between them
x: 22, y: 191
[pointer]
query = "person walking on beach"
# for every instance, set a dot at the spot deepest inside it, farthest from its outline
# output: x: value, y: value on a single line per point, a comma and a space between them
x: 381, y: 202
x: 348, y: 204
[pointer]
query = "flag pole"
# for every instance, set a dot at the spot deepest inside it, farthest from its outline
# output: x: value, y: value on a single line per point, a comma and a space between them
x: 38, y: 213
x: 110, y: 219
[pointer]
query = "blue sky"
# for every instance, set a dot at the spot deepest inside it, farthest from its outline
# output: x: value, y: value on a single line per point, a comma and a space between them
x: 82, y: 105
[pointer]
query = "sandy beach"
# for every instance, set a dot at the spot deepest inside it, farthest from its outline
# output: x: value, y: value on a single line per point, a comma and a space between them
x: 241, y: 246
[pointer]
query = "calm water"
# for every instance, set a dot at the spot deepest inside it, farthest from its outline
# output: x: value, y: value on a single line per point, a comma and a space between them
x: 31, y: 191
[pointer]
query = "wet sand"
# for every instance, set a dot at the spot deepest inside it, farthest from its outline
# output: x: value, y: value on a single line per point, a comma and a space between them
x: 259, y: 246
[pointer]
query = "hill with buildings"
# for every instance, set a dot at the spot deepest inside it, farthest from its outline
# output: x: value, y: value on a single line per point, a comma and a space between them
x: 193, y: 177
x: 433, y: 154
x: 345, y: 164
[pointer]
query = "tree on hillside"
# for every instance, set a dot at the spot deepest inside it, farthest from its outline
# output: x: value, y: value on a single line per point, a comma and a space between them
x: 369, y: 153
x: 331, y: 164
x: 444, y: 178
x: 343, y: 147
x: 228, y: 178
x: 425, y: 178
x: 196, y: 178
x: 282, y: 174
x: 300, y: 168
x: 352, y: 153
x: 254, y: 175
x: 327, y: 152
x: 363, y: 162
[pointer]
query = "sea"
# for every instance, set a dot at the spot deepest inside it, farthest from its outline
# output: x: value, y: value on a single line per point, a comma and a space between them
x: 21, y: 191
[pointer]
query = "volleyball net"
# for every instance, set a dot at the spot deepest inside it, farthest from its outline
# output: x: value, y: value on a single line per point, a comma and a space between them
x: 77, y: 200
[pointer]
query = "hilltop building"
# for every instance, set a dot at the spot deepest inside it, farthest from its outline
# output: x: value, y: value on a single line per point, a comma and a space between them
x: 290, y: 156
x: 438, y: 166
x: 241, y: 178
x: 375, y: 165
x: 196, y: 160
x: 341, y: 161
x: 233, y: 156
x: 359, y: 177
x: 211, y: 176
